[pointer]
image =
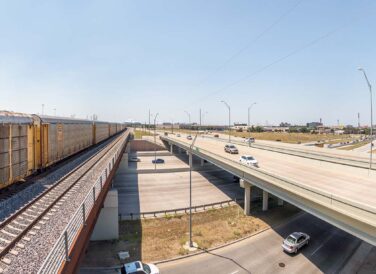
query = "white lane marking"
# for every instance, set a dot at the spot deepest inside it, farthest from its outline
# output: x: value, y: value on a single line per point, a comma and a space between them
x: 320, y: 246
x: 234, y: 272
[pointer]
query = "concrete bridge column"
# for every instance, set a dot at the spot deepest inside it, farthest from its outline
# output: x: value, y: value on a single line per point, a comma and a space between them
x: 125, y: 160
x: 202, y: 162
x: 172, y: 148
x: 107, y: 226
x: 247, y: 198
x: 280, y: 202
x: 265, y: 198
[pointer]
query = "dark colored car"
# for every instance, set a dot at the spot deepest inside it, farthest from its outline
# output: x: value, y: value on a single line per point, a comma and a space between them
x: 158, y: 161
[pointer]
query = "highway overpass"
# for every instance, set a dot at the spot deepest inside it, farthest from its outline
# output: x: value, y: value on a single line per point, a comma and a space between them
x: 343, y: 195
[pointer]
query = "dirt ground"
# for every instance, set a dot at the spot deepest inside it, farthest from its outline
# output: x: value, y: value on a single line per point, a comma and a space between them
x: 163, y: 238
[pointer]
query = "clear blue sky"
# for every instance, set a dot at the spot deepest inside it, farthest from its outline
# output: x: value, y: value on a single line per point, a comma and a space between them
x: 119, y: 58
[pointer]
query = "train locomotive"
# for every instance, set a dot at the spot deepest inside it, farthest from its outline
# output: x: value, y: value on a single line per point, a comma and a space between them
x: 30, y: 143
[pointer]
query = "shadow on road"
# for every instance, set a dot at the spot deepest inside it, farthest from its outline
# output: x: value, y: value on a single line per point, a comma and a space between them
x: 226, y: 258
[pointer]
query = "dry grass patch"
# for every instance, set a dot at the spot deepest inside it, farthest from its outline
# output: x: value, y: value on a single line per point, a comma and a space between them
x: 357, y: 145
x: 139, y: 133
x: 163, y: 238
x: 294, y: 138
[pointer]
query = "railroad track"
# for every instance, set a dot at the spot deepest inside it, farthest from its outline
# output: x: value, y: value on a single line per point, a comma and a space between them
x: 17, y: 230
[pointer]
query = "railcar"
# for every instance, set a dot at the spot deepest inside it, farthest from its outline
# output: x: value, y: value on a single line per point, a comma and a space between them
x: 30, y: 143
x: 63, y: 137
x: 16, y: 141
x: 101, y: 131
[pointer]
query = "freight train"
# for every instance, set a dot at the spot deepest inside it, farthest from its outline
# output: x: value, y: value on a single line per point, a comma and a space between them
x: 30, y: 143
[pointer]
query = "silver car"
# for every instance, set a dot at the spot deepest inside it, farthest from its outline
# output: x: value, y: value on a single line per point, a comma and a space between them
x: 295, y: 241
x: 231, y: 149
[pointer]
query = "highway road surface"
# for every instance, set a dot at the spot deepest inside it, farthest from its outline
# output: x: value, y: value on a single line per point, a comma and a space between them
x: 147, y: 192
x: 351, y: 183
x: 327, y: 252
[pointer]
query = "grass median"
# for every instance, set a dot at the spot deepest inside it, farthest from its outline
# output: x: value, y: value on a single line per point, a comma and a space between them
x: 162, y: 238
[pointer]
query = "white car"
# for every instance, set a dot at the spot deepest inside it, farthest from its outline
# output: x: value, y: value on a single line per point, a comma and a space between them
x: 249, y: 140
x: 248, y: 160
x: 295, y: 241
x: 139, y: 267
x: 178, y: 135
x: 134, y: 159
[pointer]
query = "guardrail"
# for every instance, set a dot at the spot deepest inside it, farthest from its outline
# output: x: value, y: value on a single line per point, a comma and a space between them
x: 185, y: 210
x: 60, y: 251
x: 361, y: 211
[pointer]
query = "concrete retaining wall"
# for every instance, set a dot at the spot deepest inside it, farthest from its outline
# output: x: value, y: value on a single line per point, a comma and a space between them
x: 144, y: 145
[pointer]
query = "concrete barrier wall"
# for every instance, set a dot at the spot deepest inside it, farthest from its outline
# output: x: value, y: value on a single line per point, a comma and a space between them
x: 144, y: 145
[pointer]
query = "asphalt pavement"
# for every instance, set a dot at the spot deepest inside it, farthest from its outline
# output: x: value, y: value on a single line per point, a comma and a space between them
x: 327, y: 252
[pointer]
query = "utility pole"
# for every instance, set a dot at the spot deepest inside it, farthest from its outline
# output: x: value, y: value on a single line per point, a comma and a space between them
x: 249, y: 123
x: 358, y: 120
x: 155, y: 142
x: 200, y: 118
x: 229, y: 120
x: 149, y: 119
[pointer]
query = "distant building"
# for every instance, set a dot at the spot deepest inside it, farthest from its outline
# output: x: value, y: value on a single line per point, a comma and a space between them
x: 240, y: 127
x: 283, y: 124
x: 314, y: 124
x: 276, y: 129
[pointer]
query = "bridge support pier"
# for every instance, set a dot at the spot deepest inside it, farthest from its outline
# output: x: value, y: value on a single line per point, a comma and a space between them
x: 247, y: 198
x: 107, y: 226
x: 265, y: 198
x: 172, y: 148
x: 280, y: 202
x: 202, y: 162
x: 125, y: 160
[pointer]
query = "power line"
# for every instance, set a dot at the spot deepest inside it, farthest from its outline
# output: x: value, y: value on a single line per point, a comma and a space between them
x: 248, y: 45
x: 295, y: 51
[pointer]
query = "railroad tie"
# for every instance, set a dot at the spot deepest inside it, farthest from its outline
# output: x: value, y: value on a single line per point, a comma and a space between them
x: 4, y: 240
x: 27, y: 239
x: 6, y: 261
x: 19, y: 245
x: 8, y: 233
x: 14, y: 228
x: 18, y: 223
x: 13, y: 252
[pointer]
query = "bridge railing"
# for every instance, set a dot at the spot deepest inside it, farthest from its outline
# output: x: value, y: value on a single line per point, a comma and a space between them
x: 358, y: 209
x: 60, y: 251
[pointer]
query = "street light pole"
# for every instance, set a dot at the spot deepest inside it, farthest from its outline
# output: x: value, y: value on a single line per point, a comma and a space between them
x: 229, y: 120
x: 201, y: 116
x: 189, y: 119
x: 249, y: 123
x: 190, y: 191
x: 370, y: 92
x: 149, y: 120
x: 155, y: 142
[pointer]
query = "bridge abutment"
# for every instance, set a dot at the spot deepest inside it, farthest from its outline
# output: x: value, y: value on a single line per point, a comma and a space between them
x: 107, y: 225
